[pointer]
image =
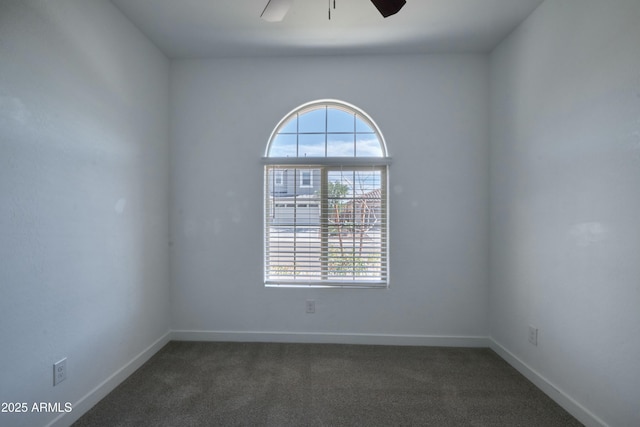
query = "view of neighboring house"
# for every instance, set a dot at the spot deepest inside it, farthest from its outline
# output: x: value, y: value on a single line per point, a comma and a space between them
x: 295, y: 197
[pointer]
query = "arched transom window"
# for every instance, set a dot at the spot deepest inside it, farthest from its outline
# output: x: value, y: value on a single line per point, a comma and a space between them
x: 326, y: 199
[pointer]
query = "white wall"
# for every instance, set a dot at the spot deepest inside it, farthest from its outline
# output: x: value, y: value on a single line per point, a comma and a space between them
x: 433, y: 113
x: 565, y: 175
x: 83, y: 220
x: 83, y: 199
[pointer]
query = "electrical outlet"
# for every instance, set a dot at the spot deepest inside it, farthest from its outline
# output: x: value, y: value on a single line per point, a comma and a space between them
x: 59, y: 371
x: 533, y: 335
x: 310, y: 306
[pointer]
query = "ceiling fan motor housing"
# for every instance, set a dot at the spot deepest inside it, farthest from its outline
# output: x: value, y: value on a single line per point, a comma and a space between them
x: 388, y: 7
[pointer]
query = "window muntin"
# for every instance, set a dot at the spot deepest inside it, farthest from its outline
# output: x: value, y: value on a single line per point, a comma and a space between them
x: 331, y: 229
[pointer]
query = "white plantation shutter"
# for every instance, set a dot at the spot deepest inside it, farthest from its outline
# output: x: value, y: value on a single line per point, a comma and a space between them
x: 325, y: 217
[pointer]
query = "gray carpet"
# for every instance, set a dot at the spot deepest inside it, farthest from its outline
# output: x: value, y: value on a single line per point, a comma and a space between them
x: 271, y: 384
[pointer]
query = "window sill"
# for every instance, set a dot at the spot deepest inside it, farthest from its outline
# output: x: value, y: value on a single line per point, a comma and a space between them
x: 329, y: 285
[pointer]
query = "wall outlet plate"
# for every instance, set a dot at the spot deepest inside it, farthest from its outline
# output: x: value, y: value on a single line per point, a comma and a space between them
x: 533, y: 335
x: 310, y: 306
x: 59, y: 371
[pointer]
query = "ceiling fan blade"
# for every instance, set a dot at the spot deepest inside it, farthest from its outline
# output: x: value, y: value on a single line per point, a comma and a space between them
x: 388, y: 7
x: 275, y: 10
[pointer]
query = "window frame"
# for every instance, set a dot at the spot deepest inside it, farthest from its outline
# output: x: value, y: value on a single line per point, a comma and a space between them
x: 325, y: 164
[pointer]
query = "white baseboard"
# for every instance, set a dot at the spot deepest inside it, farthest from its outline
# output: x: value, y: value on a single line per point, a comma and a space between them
x: 94, y: 396
x: 332, y: 338
x: 561, y: 398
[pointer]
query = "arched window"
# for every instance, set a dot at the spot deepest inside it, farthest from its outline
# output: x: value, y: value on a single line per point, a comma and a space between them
x: 326, y: 199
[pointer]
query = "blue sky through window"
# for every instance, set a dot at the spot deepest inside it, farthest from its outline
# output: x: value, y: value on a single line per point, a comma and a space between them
x: 326, y: 131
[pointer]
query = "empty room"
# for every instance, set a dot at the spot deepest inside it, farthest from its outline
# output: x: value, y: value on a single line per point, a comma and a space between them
x: 313, y: 212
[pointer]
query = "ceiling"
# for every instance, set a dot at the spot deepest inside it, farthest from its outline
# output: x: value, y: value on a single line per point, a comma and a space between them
x: 212, y: 28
